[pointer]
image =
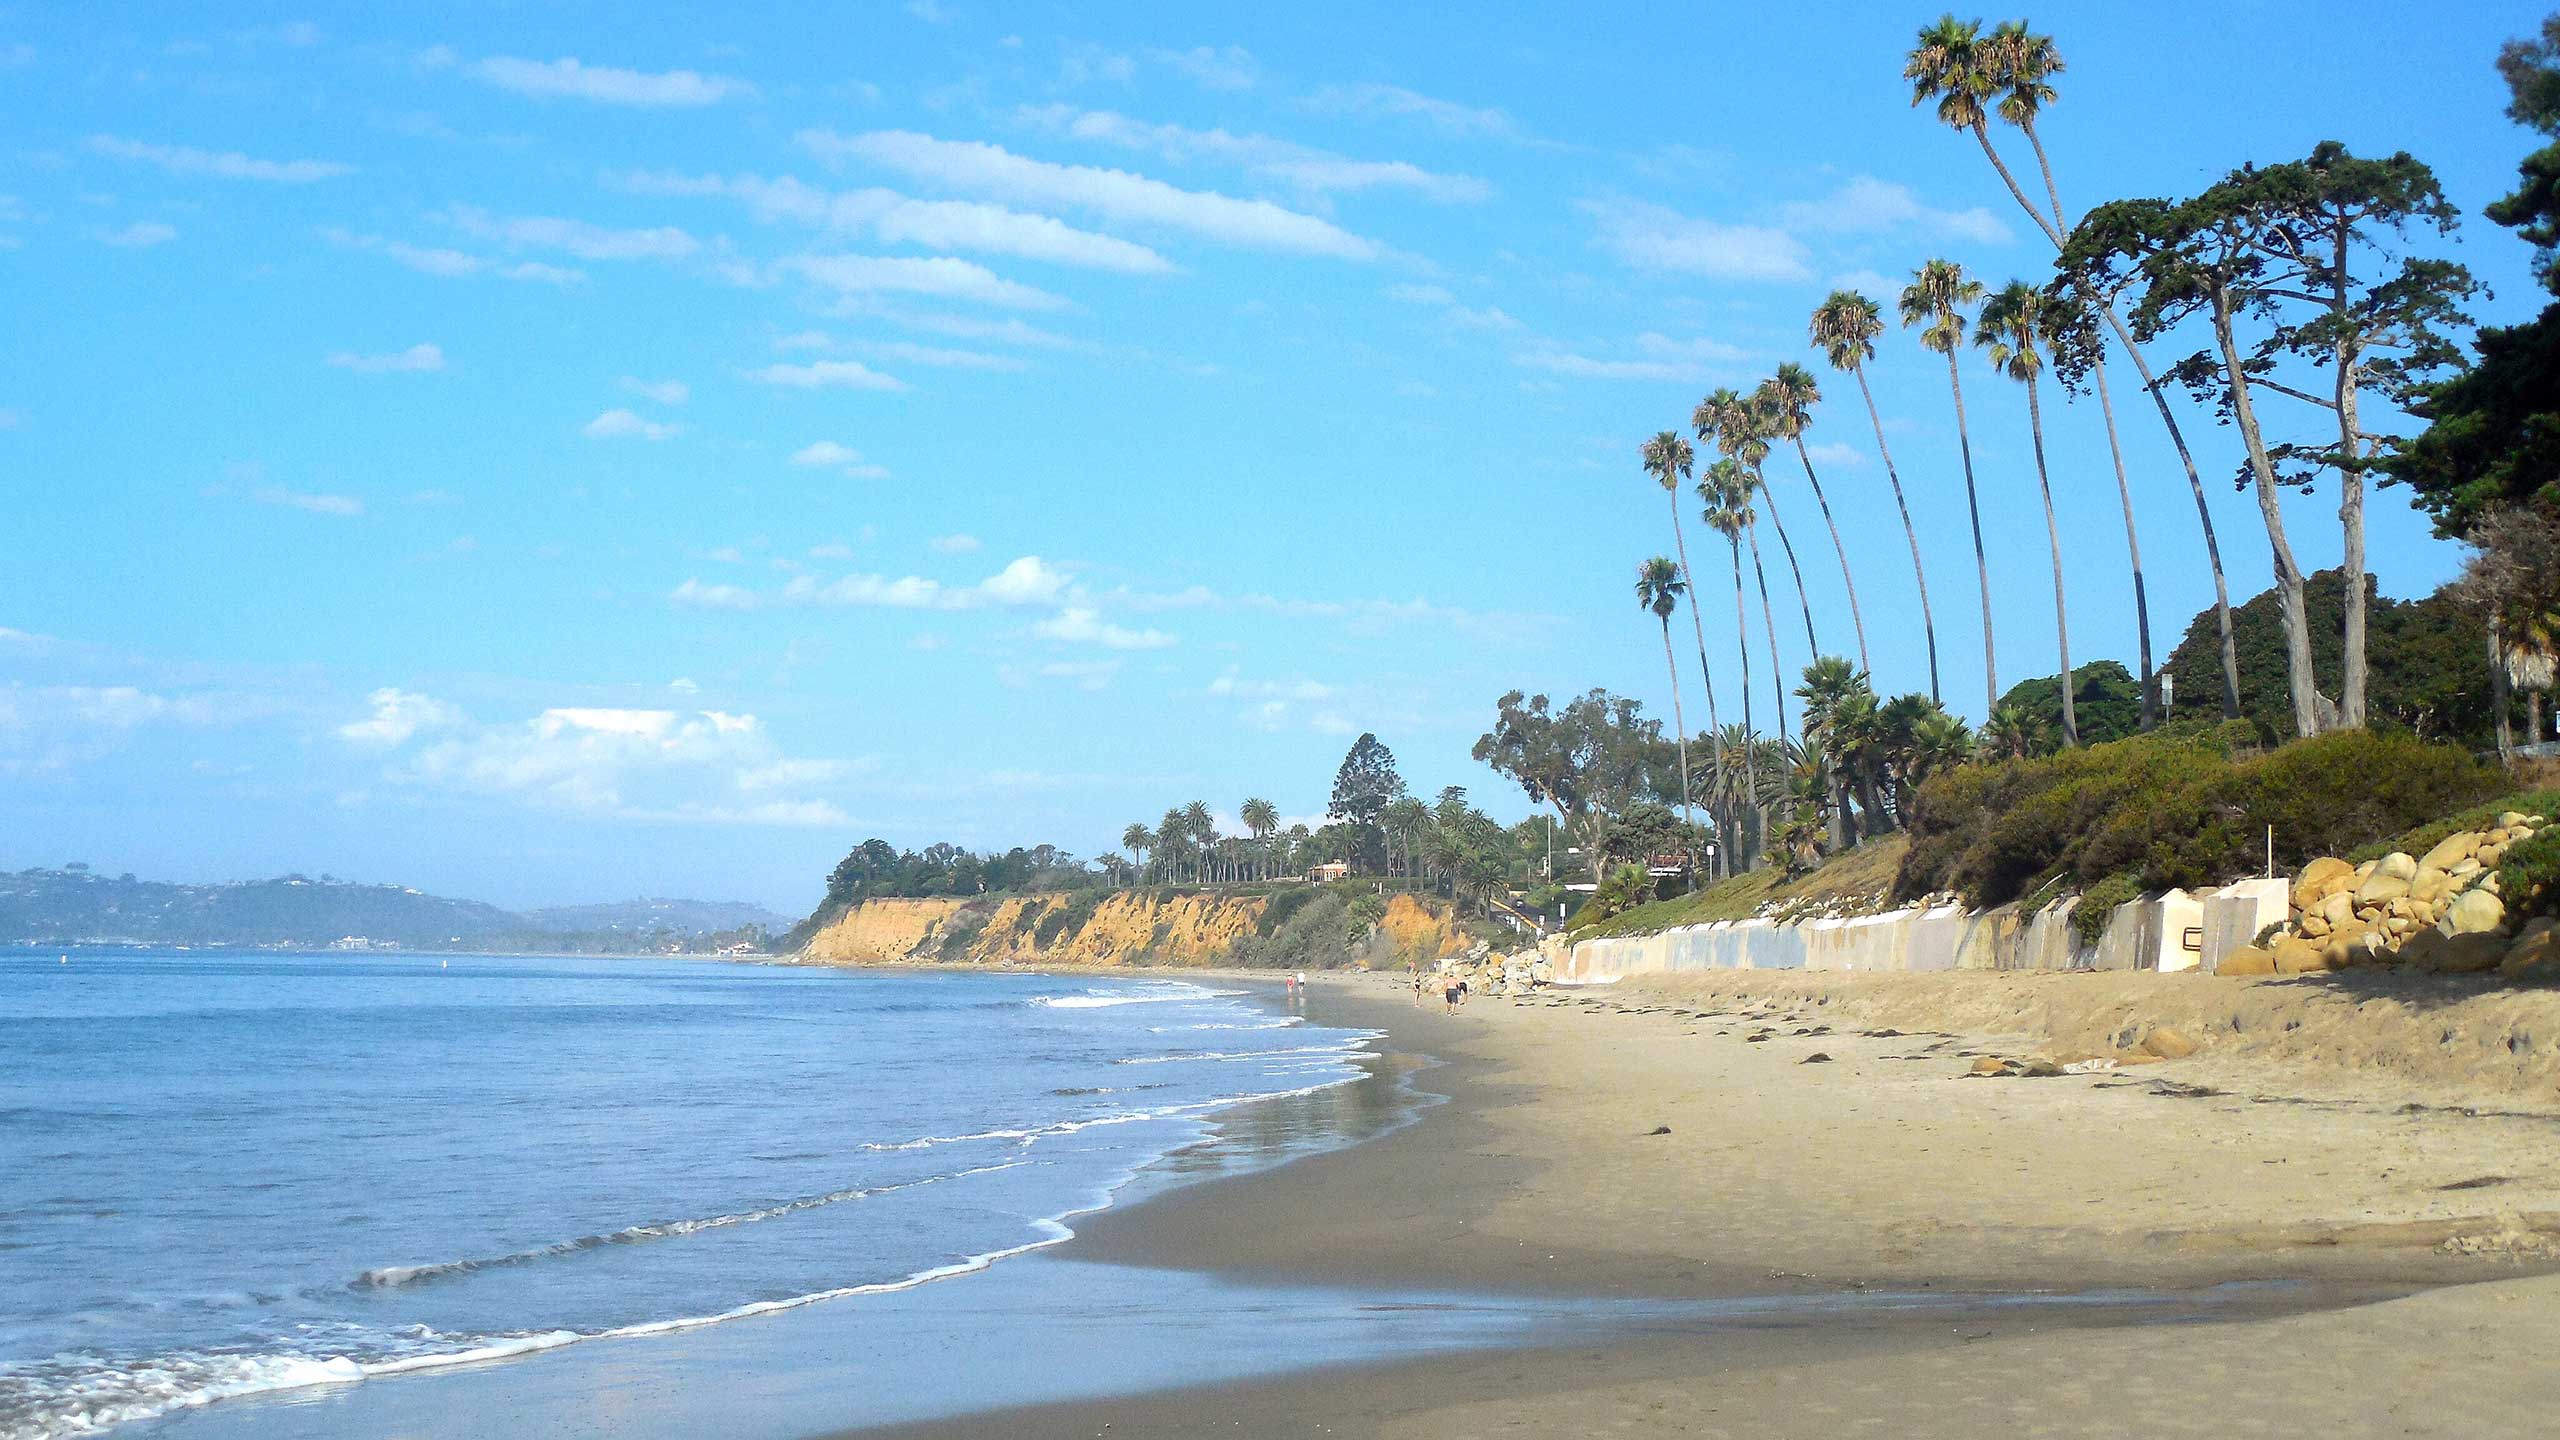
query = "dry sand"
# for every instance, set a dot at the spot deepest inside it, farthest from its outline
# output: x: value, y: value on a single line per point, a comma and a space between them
x: 1885, y: 1167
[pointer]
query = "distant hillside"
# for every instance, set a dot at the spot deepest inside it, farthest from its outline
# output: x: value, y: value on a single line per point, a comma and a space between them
x: 691, y: 917
x: 81, y: 907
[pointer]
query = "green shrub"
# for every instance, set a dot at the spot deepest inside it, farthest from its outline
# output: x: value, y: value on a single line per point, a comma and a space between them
x: 2526, y: 873
x: 958, y: 932
x: 2184, y: 808
x: 1065, y: 916
x: 1361, y: 916
x: 1621, y: 890
x: 2478, y: 817
x: 2098, y: 905
x: 1277, y: 910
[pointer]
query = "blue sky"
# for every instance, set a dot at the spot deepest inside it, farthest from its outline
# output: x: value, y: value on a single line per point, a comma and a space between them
x: 554, y: 453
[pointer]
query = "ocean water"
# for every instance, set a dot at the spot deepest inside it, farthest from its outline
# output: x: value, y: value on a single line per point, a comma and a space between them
x: 225, y: 1175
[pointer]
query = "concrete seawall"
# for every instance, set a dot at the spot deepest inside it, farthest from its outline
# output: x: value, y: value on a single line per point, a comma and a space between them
x: 2175, y: 931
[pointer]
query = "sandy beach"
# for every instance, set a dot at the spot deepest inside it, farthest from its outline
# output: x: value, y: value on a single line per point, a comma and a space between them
x: 2389, y: 1233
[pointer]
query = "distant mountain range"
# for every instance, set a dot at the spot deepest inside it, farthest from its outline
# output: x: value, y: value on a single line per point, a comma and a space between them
x: 84, y: 907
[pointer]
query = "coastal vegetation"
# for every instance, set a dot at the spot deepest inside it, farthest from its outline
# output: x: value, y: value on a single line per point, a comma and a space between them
x: 2308, y: 307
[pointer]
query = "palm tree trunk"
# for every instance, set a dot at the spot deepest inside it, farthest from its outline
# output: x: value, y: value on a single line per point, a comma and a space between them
x: 1742, y: 641
x: 1981, y: 562
x: 1688, y: 816
x: 1928, y: 626
x: 2106, y: 407
x: 1777, y: 668
x: 1855, y: 621
x: 2133, y: 551
x: 1680, y: 542
x: 2053, y: 538
x: 2307, y: 701
x: 1769, y: 502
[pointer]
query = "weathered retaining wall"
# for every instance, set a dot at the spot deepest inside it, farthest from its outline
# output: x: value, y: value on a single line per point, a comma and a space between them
x: 2175, y: 931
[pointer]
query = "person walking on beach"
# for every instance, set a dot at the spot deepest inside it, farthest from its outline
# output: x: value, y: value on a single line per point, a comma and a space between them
x: 1452, y: 991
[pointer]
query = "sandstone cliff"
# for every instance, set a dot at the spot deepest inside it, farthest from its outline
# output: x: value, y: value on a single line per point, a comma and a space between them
x: 1087, y: 928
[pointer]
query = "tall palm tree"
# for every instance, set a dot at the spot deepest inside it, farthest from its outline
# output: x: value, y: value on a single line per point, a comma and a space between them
x: 1172, y: 833
x: 1728, y: 512
x: 2018, y: 326
x: 1741, y: 431
x: 1261, y: 817
x: 1404, y: 820
x: 1937, y: 298
x: 1955, y: 65
x: 1829, y: 682
x: 1659, y: 586
x: 1202, y: 832
x: 1845, y: 327
x: 1138, y: 840
x: 1785, y: 402
x: 1667, y: 458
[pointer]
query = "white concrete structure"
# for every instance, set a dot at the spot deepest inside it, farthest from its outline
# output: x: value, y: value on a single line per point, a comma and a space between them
x: 2174, y: 931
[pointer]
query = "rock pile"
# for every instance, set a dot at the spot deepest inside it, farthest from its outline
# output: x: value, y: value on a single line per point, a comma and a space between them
x: 2439, y: 912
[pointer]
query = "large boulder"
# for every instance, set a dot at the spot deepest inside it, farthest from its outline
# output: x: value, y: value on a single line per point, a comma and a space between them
x: 2474, y: 912
x: 2459, y: 846
x: 2535, y: 955
x: 2301, y: 957
x: 2168, y: 1044
x: 2399, y: 865
x: 2354, y: 945
x: 2381, y: 888
x: 2316, y: 880
x: 2249, y: 960
x: 2336, y: 910
x: 2470, y: 954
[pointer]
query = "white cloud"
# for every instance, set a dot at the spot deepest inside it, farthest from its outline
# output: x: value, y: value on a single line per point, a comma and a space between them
x: 1656, y: 357
x: 941, y: 356
x: 908, y: 592
x: 1027, y: 581
x: 903, y: 220
x: 1874, y: 284
x: 665, y: 392
x: 1301, y: 167
x: 10, y: 419
x: 417, y: 359
x: 931, y: 12
x: 955, y: 544
x: 941, y: 276
x: 573, y: 79
x: 1087, y: 674
x: 218, y: 164
x: 577, y: 237
x: 829, y: 454
x: 1866, y: 204
x: 140, y: 235
x: 1653, y: 238
x: 976, y: 166
x: 1007, y: 331
x: 398, y: 715
x: 1835, y: 452
x: 621, y: 424
x: 451, y: 263
x: 1230, y: 67
x: 826, y: 375
x: 1079, y: 625
x: 649, y: 766
x: 1420, y: 294
x: 1395, y: 101
x: 694, y: 594
x: 317, y: 504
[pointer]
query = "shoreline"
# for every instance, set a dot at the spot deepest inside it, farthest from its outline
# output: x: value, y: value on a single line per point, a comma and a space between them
x: 1538, y: 1176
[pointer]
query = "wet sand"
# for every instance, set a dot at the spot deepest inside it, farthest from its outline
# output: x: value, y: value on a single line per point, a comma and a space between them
x: 2404, y: 1239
